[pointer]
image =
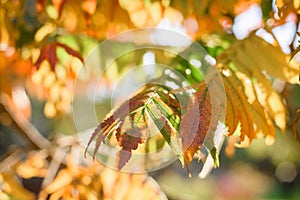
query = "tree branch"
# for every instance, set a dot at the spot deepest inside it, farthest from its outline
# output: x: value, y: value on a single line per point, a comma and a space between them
x: 24, y: 126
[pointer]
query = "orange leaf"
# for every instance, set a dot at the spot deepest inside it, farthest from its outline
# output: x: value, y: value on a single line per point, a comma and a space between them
x: 235, y: 93
x: 197, y: 117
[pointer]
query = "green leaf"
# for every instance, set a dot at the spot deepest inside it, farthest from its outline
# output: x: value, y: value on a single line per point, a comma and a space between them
x: 165, y: 127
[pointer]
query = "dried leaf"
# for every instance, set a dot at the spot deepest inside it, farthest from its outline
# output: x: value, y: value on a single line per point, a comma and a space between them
x: 112, y: 120
x: 129, y: 123
x: 197, y: 118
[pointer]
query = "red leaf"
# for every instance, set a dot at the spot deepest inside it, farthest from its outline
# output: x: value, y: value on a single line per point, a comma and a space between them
x: 128, y: 140
x: 70, y: 51
x: 52, y: 56
x: 116, y: 119
x: 49, y: 53
x: 41, y: 57
x: 197, y: 117
x: 123, y: 157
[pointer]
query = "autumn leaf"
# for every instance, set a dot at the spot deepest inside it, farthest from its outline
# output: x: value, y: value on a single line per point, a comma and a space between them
x: 270, y: 58
x: 129, y: 122
x: 130, y: 136
x: 238, y: 100
x: 261, y: 119
x: 166, y: 128
x: 247, y: 59
x: 111, y: 122
x: 49, y: 54
x: 195, y: 123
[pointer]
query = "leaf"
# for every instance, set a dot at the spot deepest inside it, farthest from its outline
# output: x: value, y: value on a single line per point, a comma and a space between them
x: 49, y: 54
x: 129, y: 137
x: 129, y: 141
x: 170, y: 113
x: 245, y: 60
x: 189, y: 127
x: 197, y: 120
x: 232, y: 116
x: 262, y: 122
x: 235, y: 94
x: 129, y: 122
x: 271, y: 59
x: 112, y: 120
x: 70, y: 51
x: 166, y: 128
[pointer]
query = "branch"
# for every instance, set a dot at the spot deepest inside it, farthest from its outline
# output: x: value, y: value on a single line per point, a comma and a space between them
x: 24, y: 126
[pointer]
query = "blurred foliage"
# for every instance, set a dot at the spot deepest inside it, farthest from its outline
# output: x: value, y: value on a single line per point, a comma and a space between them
x: 42, y: 47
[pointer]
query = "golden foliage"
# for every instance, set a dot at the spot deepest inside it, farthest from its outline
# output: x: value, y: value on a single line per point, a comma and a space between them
x: 73, y: 180
x: 251, y: 61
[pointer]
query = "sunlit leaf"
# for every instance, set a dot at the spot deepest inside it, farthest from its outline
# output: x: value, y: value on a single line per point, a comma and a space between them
x: 129, y: 122
x: 167, y: 129
x: 195, y: 123
x: 235, y: 89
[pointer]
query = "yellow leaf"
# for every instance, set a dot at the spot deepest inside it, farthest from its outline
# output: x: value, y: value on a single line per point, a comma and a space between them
x: 261, y: 120
x: 63, y: 179
x: 245, y: 61
x: 235, y: 94
x: 44, y: 31
x: 271, y: 59
x: 262, y: 123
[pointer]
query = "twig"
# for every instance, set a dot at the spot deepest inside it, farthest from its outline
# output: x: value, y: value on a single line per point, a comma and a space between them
x: 23, y: 124
x: 12, y: 159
